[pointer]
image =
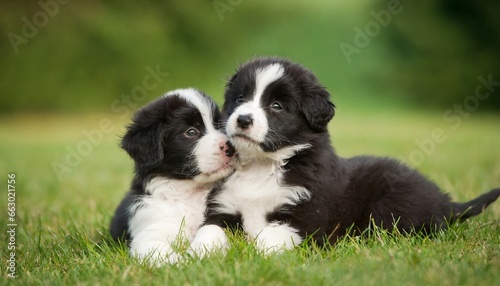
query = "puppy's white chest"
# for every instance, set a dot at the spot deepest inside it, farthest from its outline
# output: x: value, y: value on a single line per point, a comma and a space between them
x: 169, y: 210
x: 256, y: 191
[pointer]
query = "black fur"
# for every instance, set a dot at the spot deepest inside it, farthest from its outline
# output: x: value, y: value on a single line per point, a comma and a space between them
x: 347, y: 193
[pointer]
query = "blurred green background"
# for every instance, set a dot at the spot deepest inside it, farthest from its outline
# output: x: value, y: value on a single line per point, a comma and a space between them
x: 90, y: 56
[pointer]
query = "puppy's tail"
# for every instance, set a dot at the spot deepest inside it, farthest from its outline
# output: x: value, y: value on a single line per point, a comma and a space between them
x: 462, y: 211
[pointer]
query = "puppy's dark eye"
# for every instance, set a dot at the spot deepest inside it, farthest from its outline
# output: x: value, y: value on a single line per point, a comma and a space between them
x: 240, y: 99
x: 276, y: 106
x: 192, y: 133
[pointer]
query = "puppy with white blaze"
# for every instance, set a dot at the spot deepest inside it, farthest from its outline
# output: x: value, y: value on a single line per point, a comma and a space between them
x: 179, y: 156
x: 291, y: 184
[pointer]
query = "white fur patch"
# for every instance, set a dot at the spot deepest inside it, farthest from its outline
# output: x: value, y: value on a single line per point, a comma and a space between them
x: 209, y: 238
x: 264, y: 77
x: 201, y: 103
x: 282, y: 155
x: 256, y: 190
x: 173, y: 211
x: 276, y: 238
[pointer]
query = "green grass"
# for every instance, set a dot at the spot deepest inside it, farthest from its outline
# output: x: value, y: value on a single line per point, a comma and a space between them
x: 62, y: 236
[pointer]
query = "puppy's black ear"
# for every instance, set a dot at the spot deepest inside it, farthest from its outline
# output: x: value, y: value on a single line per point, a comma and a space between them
x: 317, y: 107
x: 229, y: 106
x: 144, y: 144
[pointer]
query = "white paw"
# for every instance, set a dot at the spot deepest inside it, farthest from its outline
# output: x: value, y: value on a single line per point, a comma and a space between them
x: 155, y: 253
x: 209, y: 238
x: 277, y: 238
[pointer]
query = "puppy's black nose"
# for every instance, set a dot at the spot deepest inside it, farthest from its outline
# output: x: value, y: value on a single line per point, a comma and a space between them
x: 244, y: 121
x: 230, y: 149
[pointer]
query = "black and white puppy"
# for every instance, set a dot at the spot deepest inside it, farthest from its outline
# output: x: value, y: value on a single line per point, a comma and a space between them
x: 291, y: 183
x: 179, y: 154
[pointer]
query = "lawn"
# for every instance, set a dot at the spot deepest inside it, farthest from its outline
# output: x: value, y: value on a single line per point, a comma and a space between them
x: 62, y: 214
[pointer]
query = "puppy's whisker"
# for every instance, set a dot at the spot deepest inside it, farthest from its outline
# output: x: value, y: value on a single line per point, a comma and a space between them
x: 281, y: 137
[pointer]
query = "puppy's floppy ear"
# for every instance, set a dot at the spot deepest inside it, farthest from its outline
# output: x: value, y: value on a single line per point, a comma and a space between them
x: 316, y: 106
x: 144, y: 144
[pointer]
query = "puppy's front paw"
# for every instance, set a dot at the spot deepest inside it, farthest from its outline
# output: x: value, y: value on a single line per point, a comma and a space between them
x: 154, y: 253
x: 209, y: 238
x: 277, y: 238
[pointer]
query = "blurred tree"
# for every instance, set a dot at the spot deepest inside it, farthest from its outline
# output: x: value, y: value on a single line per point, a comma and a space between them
x: 441, y: 48
x: 86, y: 54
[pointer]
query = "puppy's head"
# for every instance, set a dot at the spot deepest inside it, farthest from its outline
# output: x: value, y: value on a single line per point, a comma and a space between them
x: 177, y: 136
x: 272, y: 103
